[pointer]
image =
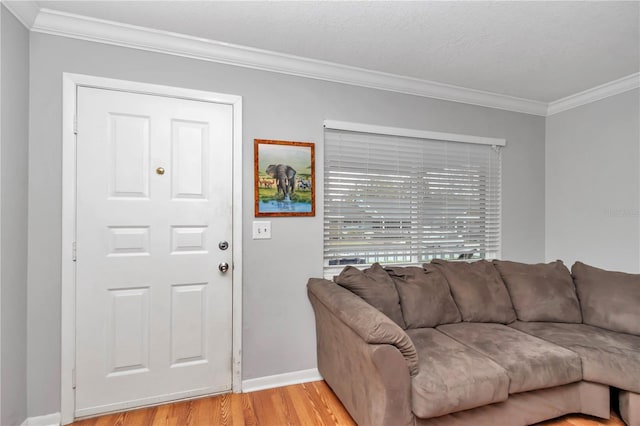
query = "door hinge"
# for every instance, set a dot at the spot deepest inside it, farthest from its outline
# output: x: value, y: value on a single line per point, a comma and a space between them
x: 75, y: 125
x: 73, y: 251
x: 73, y: 378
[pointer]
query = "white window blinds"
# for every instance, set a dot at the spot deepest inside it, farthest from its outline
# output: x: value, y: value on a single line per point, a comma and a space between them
x: 402, y: 200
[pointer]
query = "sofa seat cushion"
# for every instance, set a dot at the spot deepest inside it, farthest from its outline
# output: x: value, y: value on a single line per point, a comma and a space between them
x: 478, y: 290
x: 608, y: 357
x: 425, y: 297
x: 530, y: 362
x: 452, y: 377
x: 541, y: 292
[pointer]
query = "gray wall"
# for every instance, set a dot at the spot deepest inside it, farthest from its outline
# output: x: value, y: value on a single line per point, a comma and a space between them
x: 13, y: 225
x: 593, y: 184
x: 278, y: 325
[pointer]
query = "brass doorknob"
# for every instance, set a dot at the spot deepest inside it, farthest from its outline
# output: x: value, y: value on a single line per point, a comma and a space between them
x: 160, y: 170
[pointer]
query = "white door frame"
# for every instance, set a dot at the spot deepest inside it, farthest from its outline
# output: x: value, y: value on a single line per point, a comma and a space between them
x: 70, y: 83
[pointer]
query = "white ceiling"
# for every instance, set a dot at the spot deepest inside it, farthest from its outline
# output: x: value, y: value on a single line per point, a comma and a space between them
x: 537, y: 50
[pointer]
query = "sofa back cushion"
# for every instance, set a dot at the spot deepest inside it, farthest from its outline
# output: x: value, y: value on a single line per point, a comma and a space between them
x: 425, y: 297
x: 478, y: 290
x: 608, y: 299
x: 541, y: 292
x: 376, y: 287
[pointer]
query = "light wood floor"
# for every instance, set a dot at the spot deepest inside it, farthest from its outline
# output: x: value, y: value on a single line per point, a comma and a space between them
x: 307, y: 404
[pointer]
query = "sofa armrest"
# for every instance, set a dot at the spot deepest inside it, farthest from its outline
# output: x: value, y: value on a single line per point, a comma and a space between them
x: 366, y: 321
x: 364, y: 357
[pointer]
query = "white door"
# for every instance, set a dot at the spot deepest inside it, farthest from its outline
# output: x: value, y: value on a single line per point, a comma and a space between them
x: 154, y: 206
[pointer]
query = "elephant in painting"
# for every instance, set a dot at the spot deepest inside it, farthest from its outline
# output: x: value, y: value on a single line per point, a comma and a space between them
x: 285, y: 177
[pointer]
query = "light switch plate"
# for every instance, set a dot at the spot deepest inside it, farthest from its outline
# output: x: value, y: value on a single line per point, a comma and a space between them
x: 261, y: 230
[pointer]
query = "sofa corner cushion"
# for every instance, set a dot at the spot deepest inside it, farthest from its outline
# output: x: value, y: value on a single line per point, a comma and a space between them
x: 608, y: 299
x: 425, y: 297
x: 376, y: 287
x: 541, y: 292
x: 478, y: 290
x: 452, y: 377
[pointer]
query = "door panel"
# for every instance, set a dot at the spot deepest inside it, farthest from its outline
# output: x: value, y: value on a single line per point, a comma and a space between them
x: 128, y: 325
x: 129, y: 145
x: 190, y: 148
x: 153, y: 313
x: 188, y: 324
x: 188, y: 239
x: 128, y: 241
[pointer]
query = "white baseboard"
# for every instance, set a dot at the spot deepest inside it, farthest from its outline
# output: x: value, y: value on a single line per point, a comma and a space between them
x: 47, y: 420
x: 278, y: 380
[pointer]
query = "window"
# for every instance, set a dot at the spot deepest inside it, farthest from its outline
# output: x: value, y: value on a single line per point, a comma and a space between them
x: 407, y: 199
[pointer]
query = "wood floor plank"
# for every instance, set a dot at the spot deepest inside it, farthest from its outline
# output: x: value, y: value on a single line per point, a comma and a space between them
x: 341, y: 415
x: 321, y: 413
x: 116, y: 420
x: 306, y: 412
x: 260, y: 404
x: 288, y: 408
x: 248, y: 413
x: 182, y: 413
x: 160, y: 417
x: 208, y: 409
x: 226, y: 414
x: 582, y: 420
x: 139, y: 417
x: 307, y: 404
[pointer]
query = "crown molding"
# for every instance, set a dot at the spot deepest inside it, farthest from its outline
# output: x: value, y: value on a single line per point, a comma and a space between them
x: 25, y: 11
x: 97, y: 30
x: 85, y: 28
x: 611, y: 88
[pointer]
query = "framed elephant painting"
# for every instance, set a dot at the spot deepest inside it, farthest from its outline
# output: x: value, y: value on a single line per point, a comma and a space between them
x: 284, y: 178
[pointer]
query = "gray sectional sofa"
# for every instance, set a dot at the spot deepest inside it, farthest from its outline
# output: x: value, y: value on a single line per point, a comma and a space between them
x: 480, y: 343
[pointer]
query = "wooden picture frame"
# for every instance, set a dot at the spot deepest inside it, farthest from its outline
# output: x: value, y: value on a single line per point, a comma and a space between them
x: 284, y: 178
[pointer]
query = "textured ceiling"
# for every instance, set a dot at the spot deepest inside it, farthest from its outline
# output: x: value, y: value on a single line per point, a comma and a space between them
x: 539, y: 50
